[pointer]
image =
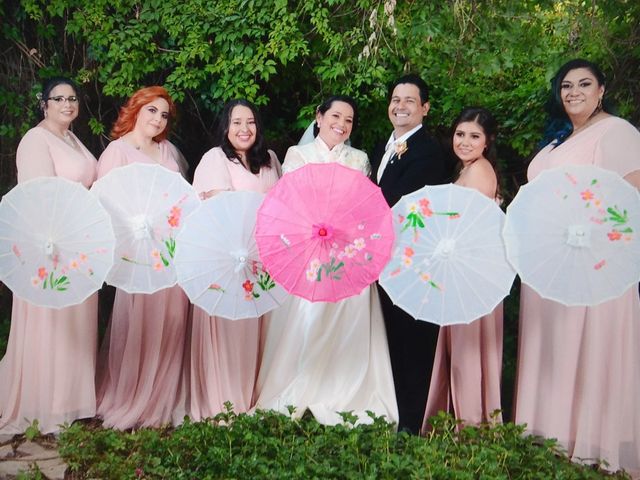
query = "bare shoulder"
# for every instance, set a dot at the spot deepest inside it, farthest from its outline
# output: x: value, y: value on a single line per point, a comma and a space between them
x: 481, y: 176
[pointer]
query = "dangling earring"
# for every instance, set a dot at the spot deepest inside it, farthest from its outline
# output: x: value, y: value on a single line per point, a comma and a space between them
x: 41, y: 104
x: 599, y: 107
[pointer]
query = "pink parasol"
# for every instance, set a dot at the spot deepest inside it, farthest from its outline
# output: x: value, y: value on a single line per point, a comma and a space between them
x: 324, y: 232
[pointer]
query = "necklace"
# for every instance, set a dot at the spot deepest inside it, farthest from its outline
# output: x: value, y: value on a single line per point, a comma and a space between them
x: 150, y: 150
x: 147, y: 148
x: 65, y: 136
x: 68, y: 139
x: 133, y: 141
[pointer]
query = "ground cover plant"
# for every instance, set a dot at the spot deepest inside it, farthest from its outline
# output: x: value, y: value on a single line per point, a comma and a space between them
x: 273, y: 446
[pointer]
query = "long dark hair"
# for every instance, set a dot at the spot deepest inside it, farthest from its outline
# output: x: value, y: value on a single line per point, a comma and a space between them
x: 257, y: 155
x: 326, y: 105
x: 49, y: 85
x: 558, y: 126
x: 487, y: 121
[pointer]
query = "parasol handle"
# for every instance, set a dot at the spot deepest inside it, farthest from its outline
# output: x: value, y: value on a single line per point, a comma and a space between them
x: 321, y: 231
x: 241, y: 257
x: 49, y: 248
x: 579, y: 236
x: 141, y: 228
x: 445, y: 248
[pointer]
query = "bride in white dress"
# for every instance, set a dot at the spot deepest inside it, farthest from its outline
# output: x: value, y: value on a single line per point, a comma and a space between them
x: 328, y: 357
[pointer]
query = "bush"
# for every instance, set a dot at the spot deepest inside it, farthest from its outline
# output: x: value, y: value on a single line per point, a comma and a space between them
x: 272, y: 446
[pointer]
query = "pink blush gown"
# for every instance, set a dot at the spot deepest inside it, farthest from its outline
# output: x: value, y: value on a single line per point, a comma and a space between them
x: 47, y: 373
x: 578, y: 376
x: 223, y: 358
x: 140, y: 379
x: 467, y: 370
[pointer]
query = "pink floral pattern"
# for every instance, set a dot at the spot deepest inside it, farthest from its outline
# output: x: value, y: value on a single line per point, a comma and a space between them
x: 262, y: 282
x: 57, y: 279
x: 174, y: 216
x: 162, y: 258
x: 333, y: 269
x: 216, y: 287
x: 417, y: 215
x: 16, y: 251
x: 412, y: 223
x: 613, y: 215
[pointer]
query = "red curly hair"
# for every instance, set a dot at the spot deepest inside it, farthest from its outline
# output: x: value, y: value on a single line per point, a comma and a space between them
x: 129, y: 112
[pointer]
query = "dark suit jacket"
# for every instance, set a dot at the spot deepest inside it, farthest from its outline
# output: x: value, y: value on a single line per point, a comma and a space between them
x: 412, y: 343
x: 422, y: 164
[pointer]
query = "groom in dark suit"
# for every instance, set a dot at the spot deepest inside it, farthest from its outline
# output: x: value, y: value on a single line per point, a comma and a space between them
x: 410, y: 159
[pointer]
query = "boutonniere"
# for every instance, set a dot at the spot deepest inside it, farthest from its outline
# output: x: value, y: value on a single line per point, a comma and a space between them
x: 401, y: 148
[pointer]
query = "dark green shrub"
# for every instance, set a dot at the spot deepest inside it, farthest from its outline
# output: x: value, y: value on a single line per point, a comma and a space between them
x: 269, y: 445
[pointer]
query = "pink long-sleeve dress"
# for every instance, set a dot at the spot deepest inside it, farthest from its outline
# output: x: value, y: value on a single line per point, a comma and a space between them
x: 47, y: 373
x: 140, y: 379
x: 578, y: 376
x: 224, y: 354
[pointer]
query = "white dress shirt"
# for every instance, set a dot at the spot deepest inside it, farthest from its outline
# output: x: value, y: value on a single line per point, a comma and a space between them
x: 389, y: 149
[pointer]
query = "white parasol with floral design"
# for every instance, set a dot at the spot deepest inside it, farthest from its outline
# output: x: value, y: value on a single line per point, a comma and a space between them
x: 449, y: 264
x: 147, y: 204
x: 217, y: 259
x: 56, y: 242
x: 572, y: 234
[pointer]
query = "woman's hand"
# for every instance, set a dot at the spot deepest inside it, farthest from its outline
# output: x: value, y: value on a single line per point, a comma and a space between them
x: 209, y: 194
x: 633, y: 178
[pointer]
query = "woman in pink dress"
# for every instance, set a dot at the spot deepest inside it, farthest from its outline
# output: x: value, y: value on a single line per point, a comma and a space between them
x: 468, y: 361
x: 328, y: 357
x: 579, y: 367
x: 224, y: 354
x: 47, y: 373
x: 140, y: 379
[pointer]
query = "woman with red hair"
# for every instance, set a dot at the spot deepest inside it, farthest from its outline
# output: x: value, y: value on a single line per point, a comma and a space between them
x: 139, y: 373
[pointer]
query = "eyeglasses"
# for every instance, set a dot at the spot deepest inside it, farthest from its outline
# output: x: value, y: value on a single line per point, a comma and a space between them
x: 61, y: 99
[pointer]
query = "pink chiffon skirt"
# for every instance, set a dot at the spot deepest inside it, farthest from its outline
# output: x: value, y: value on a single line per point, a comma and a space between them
x: 223, y: 364
x: 140, y: 374
x: 48, y: 371
x: 467, y: 370
x: 579, y: 377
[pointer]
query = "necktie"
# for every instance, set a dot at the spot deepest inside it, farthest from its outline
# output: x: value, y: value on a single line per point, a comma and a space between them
x: 388, y: 153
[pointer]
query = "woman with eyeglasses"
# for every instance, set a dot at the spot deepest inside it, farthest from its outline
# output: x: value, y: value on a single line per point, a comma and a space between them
x: 578, y: 370
x: 47, y: 373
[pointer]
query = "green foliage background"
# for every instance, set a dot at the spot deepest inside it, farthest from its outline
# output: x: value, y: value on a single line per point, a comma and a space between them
x: 286, y: 55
